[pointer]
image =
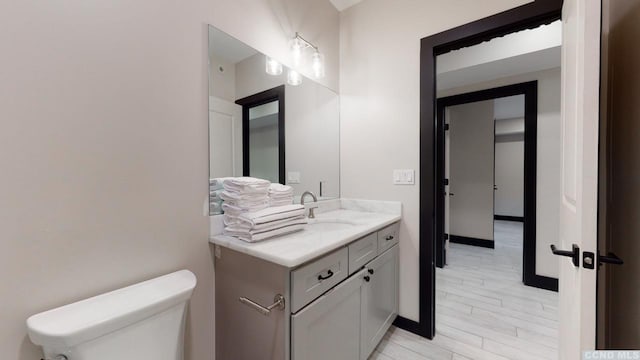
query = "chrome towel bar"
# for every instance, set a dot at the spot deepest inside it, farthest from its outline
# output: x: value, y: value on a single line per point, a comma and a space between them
x: 278, y: 303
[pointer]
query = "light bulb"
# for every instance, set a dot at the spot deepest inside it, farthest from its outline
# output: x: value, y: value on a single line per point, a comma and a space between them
x: 294, y: 78
x: 297, y: 46
x: 317, y: 64
x: 273, y: 67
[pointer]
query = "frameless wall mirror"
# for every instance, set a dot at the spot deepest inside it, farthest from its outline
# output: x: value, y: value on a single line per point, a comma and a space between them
x: 265, y: 123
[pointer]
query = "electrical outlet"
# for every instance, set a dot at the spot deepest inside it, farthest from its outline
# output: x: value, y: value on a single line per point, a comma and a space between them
x: 293, y: 177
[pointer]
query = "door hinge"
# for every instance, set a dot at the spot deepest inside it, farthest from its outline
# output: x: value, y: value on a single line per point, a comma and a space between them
x: 446, y: 127
x: 446, y: 182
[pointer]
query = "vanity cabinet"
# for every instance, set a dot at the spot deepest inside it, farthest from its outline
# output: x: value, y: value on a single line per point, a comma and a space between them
x: 327, y: 328
x: 337, y: 306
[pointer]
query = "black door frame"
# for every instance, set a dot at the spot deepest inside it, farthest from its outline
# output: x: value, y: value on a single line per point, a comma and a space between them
x: 523, y: 17
x: 261, y: 98
x: 530, y: 92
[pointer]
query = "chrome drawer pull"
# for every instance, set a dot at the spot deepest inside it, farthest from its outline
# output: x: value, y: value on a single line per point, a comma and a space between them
x: 278, y: 303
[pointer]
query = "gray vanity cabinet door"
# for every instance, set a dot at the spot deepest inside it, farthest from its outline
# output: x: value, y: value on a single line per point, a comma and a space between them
x: 329, y: 327
x: 379, y: 299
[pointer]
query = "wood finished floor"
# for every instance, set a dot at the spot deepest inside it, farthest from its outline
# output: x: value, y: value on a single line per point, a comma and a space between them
x: 483, y: 311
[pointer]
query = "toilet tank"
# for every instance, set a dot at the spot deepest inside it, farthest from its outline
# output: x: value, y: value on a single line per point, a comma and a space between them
x: 144, y: 321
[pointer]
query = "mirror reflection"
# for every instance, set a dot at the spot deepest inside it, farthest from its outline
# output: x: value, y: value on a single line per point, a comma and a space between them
x: 268, y: 122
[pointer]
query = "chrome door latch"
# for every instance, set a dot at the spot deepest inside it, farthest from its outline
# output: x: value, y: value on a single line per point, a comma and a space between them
x: 588, y: 260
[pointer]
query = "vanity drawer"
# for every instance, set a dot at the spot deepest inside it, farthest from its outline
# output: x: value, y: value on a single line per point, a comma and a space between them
x: 388, y: 237
x: 314, y: 279
x: 362, y: 251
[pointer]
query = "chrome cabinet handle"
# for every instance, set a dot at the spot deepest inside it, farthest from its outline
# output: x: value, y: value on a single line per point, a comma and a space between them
x: 278, y: 303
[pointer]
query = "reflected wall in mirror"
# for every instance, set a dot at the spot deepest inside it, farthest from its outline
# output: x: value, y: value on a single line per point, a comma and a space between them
x: 262, y: 126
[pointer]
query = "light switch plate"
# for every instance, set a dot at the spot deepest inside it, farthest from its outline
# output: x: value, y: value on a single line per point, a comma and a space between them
x: 404, y: 177
x: 293, y: 177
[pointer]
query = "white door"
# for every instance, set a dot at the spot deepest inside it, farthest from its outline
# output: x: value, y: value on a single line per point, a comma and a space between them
x: 225, y: 137
x: 471, y: 132
x: 579, y: 187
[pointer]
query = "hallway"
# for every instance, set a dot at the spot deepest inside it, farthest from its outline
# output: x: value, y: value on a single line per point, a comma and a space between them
x: 483, y: 311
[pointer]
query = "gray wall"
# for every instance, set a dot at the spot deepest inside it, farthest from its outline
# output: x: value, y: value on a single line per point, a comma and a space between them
x: 471, y: 131
x: 104, y: 146
x: 509, y: 167
x: 509, y: 196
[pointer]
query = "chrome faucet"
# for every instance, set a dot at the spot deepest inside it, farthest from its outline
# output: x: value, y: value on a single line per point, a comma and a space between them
x: 315, y: 199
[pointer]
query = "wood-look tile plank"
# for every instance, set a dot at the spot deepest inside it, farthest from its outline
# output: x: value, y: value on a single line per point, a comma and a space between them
x: 532, y: 336
x: 427, y: 348
x: 397, y: 352
x: 459, y: 335
x: 516, y: 353
x: 377, y: 355
x: 460, y: 357
x: 460, y: 348
x: 518, y: 323
x: 533, y: 315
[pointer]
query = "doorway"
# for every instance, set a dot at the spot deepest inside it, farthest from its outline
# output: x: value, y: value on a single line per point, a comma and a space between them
x: 263, y: 135
x: 526, y: 16
x: 530, y: 92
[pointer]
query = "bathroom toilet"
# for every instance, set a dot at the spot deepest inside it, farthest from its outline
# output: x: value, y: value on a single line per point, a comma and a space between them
x: 144, y: 321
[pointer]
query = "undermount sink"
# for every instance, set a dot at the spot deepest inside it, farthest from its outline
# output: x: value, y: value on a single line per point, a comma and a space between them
x: 330, y: 224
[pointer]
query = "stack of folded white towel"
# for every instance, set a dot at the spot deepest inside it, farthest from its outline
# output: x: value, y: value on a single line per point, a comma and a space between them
x: 280, y: 195
x: 255, y: 209
x: 215, y: 201
x: 266, y: 223
x: 244, y: 194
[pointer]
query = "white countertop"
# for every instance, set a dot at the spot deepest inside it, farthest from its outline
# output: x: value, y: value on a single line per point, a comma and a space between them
x: 329, y: 231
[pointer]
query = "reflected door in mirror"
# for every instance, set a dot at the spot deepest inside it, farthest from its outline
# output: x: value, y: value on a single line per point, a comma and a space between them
x: 263, y: 135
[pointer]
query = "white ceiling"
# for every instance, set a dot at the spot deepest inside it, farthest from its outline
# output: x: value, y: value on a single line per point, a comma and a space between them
x: 344, y: 4
x: 516, y: 65
x: 227, y: 47
x: 510, y: 107
x: 518, y: 53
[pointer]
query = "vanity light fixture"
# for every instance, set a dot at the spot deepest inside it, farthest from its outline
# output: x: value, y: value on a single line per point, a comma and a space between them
x: 317, y: 64
x: 273, y: 67
x: 294, y: 78
x: 298, y: 45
